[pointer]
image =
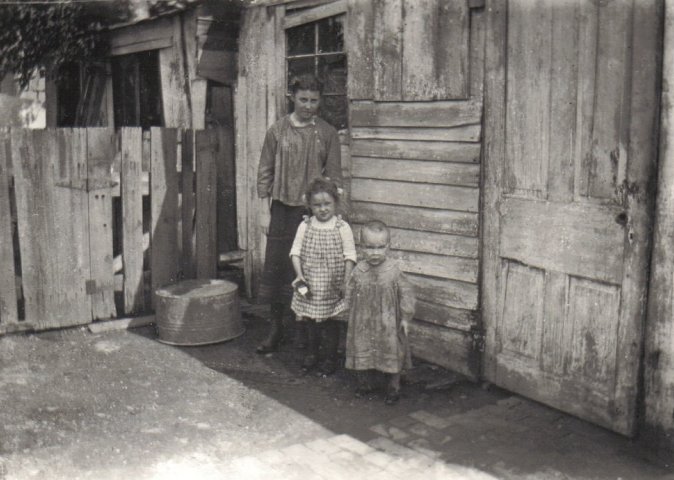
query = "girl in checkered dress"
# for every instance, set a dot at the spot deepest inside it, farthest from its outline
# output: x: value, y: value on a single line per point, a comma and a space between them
x: 323, y: 255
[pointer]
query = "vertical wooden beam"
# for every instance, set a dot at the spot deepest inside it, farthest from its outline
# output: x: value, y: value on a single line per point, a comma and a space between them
x: 173, y: 81
x: 164, y: 201
x: 659, y: 355
x: 388, y: 44
x: 226, y: 206
x: 206, y: 221
x: 359, y: 39
x: 8, y: 300
x: 476, y: 62
x: 132, y: 219
x: 187, y: 188
x: 101, y: 151
x: 494, y: 156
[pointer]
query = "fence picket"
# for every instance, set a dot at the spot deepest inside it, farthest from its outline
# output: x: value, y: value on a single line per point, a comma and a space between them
x: 164, y: 261
x: 187, y: 183
x: 101, y: 148
x: 8, y: 299
x: 132, y: 219
x: 206, y: 221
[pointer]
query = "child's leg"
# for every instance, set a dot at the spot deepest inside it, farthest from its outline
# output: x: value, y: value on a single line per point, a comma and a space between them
x: 275, y: 335
x: 331, y: 338
x: 393, y: 389
x: 311, y: 355
x: 364, y: 385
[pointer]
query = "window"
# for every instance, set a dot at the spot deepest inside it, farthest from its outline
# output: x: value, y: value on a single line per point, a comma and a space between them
x: 68, y: 91
x: 318, y: 48
x: 136, y: 90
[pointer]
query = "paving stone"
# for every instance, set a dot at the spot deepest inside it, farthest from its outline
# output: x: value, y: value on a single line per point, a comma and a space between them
x: 397, y: 434
x: 378, y: 458
x: 402, y: 422
x: 324, y: 446
x: 300, y: 453
x: 419, y: 430
x: 250, y: 468
x: 380, y: 430
x: 349, y: 443
x: 423, y: 446
x: 271, y: 457
x: 430, y: 419
x: 393, y: 448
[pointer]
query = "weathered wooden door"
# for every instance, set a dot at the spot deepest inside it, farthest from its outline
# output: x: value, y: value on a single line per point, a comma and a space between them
x: 570, y: 113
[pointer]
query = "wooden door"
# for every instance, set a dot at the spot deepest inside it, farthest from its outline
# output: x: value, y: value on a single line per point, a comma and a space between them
x: 570, y: 114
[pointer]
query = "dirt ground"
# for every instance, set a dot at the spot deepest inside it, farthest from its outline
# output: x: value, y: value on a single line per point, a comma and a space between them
x: 121, y: 405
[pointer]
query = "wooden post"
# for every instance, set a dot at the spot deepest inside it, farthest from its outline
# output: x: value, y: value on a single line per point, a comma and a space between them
x: 659, y: 355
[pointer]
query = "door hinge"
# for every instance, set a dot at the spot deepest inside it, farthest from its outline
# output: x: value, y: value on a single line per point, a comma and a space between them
x: 87, y: 184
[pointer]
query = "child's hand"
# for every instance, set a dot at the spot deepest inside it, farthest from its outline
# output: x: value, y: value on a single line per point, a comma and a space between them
x: 298, y: 280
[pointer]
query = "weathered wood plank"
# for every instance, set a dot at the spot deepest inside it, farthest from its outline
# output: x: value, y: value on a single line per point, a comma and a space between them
x: 465, y: 133
x: 173, y: 81
x: 72, y: 268
x: 206, y: 219
x: 451, y: 293
x: 435, y: 50
x: 387, y: 48
x: 442, y: 173
x: 441, y: 266
x: 188, y: 202
x: 557, y: 330
x: 416, y: 114
x: 8, y: 299
x: 448, y: 348
x: 226, y: 191
x: 314, y: 14
x: 579, y: 239
x: 132, y: 219
x: 647, y: 55
x: 563, y: 96
x: 101, y: 151
x: 443, y: 316
x: 494, y: 141
x: 429, y: 242
x: 165, y: 214
x: 146, y: 36
x: 415, y: 150
x: 528, y: 110
x: 477, y: 53
x: 359, y: 40
x: 415, y: 194
x: 420, y: 219
x: 606, y: 166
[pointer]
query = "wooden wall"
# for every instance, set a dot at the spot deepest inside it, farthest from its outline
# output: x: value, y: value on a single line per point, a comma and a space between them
x: 415, y: 85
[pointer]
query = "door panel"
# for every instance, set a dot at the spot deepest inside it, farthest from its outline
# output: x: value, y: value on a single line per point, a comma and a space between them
x: 566, y: 217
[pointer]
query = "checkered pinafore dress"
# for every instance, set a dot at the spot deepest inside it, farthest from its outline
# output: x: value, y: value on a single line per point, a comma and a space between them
x: 322, y: 260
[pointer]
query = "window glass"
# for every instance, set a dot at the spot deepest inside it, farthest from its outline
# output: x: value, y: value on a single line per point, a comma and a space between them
x: 331, y: 35
x: 318, y: 48
x: 136, y: 90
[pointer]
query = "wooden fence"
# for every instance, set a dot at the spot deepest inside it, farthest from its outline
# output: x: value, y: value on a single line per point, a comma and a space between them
x: 93, y: 220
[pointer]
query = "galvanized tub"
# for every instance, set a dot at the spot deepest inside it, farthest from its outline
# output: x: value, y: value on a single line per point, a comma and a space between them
x: 198, y: 312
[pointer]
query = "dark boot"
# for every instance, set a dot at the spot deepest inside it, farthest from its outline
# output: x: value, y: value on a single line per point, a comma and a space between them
x: 275, y: 336
x: 331, y: 338
x: 311, y: 357
x: 364, y: 388
x: 393, y: 389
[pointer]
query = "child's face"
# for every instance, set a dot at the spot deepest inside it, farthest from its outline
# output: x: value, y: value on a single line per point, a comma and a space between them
x: 306, y: 103
x: 374, y: 246
x: 322, y: 206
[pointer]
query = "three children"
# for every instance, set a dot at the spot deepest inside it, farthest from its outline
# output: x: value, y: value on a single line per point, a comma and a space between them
x: 375, y: 293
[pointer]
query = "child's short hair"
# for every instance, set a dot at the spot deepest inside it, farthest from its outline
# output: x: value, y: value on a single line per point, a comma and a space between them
x: 322, y: 185
x: 376, y: 226
x: 306, y: 81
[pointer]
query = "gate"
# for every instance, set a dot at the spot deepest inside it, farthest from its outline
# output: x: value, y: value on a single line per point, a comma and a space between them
x: 93, y: 220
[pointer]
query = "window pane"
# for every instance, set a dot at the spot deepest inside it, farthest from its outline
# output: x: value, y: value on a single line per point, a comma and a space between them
x: 332, y: 72
x: 331, y: 34
x: 301, y: 40
x: 298, y: 66
x: 334, y: 110
x: 124, y: 93
x: 149, y: 89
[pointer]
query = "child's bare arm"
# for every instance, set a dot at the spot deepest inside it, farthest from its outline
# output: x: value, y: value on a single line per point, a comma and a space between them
x: 297, y: 266
x: 348, y: 268
x: 407, y: 301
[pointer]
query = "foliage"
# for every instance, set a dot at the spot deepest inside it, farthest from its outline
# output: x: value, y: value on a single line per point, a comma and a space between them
x: 34, y: 36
